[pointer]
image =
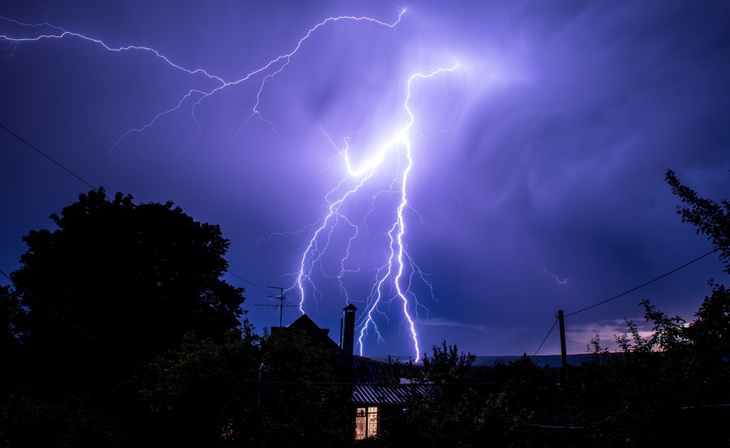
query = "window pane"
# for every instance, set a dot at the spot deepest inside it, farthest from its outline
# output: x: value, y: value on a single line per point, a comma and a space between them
x: 360, y: 426
x: 372, y: 422
x: 373, y: 426
x: 366, y: 422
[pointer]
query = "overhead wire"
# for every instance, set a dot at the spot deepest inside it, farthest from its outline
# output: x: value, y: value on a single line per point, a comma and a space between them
x: 312, y: 313
x: 59, y: 164
x: 643, y: 284
x: 603, y: 302
x: 26, y: 142
x: 250, y: 282
x: 545, y: 338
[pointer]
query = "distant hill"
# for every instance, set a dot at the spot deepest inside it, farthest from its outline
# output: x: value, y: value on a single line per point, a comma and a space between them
x: 540, y: 360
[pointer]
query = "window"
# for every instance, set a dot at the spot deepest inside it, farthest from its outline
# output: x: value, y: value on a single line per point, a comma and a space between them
x: 366, y: 422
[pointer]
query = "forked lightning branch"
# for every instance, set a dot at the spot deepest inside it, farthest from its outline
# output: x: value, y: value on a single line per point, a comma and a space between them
x: 384, y: 170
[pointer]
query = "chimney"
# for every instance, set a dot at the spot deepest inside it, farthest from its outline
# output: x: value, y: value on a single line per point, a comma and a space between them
x: 348, y: 342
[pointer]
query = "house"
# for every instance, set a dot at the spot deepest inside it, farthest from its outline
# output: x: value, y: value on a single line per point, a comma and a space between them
x: 376, y: 391
x: 380, y: 395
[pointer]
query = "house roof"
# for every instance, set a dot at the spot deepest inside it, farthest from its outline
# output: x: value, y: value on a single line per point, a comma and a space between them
x: 318, y: 335
x: 368, y: 370
x: 375, y: 383
x: 384, y: 394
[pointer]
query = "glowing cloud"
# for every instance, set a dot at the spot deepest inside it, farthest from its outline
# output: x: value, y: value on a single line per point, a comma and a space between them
x: 392, y: 279
x: 348, y: 244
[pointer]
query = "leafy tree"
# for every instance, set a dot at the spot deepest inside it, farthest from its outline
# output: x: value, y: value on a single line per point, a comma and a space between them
x: 710, y: 218
x: 450, y: 413
x: 708, y: 337
x: 709, y: 334
x: 665, y: 388
x: 11, y: 315
x: 636, y: 397
x: 119, y: 280
x: 447, y: 364
x: 526, y: 398
x: 114, y: 286
x: 301, y: 401
x: 500, y: 405
x: 667, y: 333
x: 201, y: 393
x: 707, y: 351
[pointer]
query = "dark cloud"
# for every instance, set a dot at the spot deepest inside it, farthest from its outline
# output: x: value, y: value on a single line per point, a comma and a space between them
x: 542, y: 156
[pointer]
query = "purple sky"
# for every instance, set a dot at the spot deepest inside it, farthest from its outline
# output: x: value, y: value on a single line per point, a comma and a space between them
x: 537, y: 177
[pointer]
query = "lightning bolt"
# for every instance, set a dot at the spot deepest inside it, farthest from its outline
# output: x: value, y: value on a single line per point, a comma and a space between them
x: 194, y: 96
x: 393, y: 279
x: 375, y: 186
x: 557, y: 279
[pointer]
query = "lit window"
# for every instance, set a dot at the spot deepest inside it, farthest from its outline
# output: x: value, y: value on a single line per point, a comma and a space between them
x: 366, y: 422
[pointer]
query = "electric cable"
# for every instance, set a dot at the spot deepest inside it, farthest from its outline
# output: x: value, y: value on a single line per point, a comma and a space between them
x: 250, y: 283
x: 643, y: 284
x: 623, y: 294
x: 46, y: 155
x: 546, y: 337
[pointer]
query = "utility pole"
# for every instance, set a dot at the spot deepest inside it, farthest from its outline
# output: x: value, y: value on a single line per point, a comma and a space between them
x: 564, y: 357
x: 563, y: 352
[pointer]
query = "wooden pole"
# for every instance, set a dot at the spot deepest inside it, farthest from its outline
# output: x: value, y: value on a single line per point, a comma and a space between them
x: 563, y: 352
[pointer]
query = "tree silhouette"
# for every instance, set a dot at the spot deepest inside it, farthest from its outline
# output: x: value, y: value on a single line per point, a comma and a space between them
x: 711, y: 219
x: 117, y: 283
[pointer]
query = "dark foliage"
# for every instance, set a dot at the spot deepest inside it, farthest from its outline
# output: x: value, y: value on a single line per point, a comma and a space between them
x: 710, y: 218
x: 670, y: 388
x: 119, y: 332
x: 117, y: 280
x: 116, y: 285
x: 202, y: 393
x: 302, y: 399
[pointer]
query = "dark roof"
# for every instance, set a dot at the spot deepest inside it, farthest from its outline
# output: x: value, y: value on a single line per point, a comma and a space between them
x: 318, y: 335
x: 375, y: 383
x: 368, y: 370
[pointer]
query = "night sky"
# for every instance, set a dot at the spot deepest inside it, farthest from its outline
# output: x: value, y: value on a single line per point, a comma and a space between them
x: 532, y: 163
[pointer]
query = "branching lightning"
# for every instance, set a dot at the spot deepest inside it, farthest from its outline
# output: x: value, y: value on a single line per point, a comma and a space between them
x: 380, y: 179
x: 393, y: 279
x: 269, y: 70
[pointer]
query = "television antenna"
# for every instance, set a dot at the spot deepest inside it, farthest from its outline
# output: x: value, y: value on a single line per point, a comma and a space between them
x: 281, y: 305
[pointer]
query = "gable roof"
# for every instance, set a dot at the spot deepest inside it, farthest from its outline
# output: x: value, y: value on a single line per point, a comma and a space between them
x: 318, y: 335
x: 375, y: 383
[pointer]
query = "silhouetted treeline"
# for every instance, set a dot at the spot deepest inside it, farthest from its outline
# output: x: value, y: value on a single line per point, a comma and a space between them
x: 119, y: 331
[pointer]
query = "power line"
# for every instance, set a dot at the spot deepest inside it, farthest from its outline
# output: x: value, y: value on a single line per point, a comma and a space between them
x: 643, y: 284
x: 546, y: 336
x: 624, y: 293
x: 46, y: 155
x: 30, y: 145
x: 249, y: 282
